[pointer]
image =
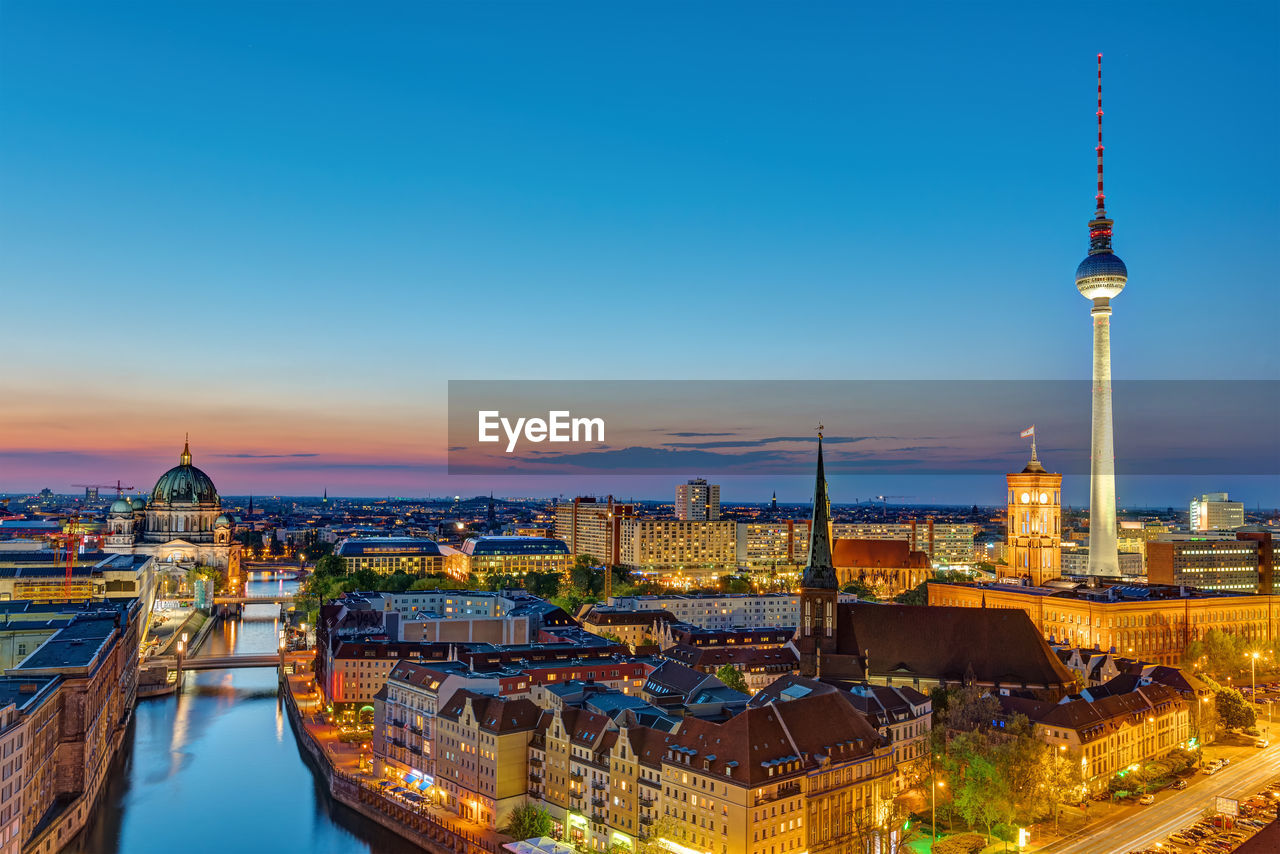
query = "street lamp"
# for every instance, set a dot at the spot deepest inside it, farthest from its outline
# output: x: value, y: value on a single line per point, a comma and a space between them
x: 933, y: 810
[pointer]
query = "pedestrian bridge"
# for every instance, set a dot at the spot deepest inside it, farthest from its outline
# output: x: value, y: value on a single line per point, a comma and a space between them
x: 219, y: 662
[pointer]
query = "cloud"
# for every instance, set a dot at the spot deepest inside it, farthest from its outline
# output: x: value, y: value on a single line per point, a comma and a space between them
x: 688, y: 434
x: 756, y: 443
x: 263, y: 456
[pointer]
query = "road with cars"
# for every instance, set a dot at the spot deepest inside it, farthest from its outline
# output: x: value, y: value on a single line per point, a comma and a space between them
x: 1145, y: 826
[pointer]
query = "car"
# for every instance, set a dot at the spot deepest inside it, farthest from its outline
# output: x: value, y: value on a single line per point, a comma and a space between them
x: 1261, y: 743
x: 1147, y: 799
x: 1224, y: 761
x: 1180, y: 785
x: 1212, y: 769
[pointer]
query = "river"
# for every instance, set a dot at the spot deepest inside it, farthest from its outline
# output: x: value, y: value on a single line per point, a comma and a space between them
x: 216, y: 769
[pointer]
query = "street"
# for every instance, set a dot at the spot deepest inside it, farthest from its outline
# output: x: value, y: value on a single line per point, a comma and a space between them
x: 1141, y: 827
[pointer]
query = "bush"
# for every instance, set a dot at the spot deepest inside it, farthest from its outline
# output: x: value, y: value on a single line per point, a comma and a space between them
x: 961, y: 843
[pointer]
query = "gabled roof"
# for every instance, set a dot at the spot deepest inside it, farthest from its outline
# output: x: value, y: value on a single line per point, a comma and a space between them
x: 996, y: 645
x: 497, y: 715
x: 775, y: 741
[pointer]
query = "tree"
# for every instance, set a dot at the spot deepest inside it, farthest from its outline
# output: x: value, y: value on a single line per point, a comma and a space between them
x: 330, y: 565
x: 734, y: 584
x: 528, y: 821
x: 859, y: 588
x: 732, y: 676
x: 1233, y: 711
x: 918, y: 595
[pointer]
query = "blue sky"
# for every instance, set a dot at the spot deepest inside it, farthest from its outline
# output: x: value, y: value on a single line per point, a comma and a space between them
x: 289, y: 224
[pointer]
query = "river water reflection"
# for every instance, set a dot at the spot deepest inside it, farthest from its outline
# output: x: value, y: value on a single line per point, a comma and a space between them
x: 216, y: 769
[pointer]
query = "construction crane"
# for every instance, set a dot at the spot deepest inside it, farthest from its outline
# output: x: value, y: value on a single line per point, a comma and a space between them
x: 69, y: 539
x: 884, y: 503
x: 117, y: 486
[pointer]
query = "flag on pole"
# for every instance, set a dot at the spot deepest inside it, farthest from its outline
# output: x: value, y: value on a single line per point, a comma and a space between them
x: 1029, y: 432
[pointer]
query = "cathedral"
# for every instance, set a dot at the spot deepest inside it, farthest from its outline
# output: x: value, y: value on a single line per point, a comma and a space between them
x: 181, y: 523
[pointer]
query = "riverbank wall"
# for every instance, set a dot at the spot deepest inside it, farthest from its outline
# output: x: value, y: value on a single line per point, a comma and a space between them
x: 421, y: 829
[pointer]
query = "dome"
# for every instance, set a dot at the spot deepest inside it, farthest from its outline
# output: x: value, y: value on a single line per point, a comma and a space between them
x: 139, y: 503
x: 184, y: 484
x: 1102, y: 264
x: 121, y: 505
x: 1101, y: 275
x: 222, y: 520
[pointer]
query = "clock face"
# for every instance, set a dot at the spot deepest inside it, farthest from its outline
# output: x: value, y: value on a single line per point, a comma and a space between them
x: 1044, y: 498
x: 1026, y: 497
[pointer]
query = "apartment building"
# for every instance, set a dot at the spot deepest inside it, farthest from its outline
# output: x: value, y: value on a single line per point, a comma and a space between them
x: 691, y: 547
x: 591, y: 527
x: 944, y: 543
x: 1108, y: 734
x: 781, y: 544
x: 482, y: 754
x: 721, y: 611
x: 698, y: 500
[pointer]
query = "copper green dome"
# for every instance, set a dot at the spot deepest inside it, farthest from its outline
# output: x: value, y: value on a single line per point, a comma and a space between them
x: 184, y: 484
x: 121, y: 505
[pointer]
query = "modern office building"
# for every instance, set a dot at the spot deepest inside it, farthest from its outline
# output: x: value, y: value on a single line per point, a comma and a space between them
x: 387, y: 555
x: 486, y: 556
x: 720, y: 611
x: 1210, y: 564
x: 1214, y: 512
x: 698, y: 500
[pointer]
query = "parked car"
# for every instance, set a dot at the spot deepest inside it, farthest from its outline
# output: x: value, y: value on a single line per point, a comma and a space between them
x: 1261, y: 743
x: 1147, y: 799
x: 1180, y: 785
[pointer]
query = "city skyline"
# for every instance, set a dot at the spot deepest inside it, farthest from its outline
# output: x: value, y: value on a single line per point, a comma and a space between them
x: 238, y: 246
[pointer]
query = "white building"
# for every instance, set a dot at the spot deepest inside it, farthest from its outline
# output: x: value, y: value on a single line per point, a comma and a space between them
x: 1213, y: 512
x: 698, y: 500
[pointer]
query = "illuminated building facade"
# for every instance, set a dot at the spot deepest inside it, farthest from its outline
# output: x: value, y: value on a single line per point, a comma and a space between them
x: 1034, y: 524
x: 1149, y: 622
x: 672, y: 545
x: 181, y: 522
x: 591, y: 527
x: 698, y: 500
x: 1213, y: 512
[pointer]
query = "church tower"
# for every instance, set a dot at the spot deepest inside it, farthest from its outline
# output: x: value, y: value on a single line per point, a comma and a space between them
x: 1034, y: 538
x: 819, y: 587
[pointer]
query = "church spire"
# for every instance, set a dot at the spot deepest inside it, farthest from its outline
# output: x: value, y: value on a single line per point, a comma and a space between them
x: 819, y: 572
x: 185, y: 459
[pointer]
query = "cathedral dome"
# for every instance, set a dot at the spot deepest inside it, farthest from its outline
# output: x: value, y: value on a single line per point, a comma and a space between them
x: 184, y: 484
x: 139, y: 503
x: 121, y: 505
x: 222, y: 520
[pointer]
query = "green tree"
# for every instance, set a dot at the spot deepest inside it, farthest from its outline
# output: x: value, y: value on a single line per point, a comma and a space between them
x: 859, y: 588
x: 331, y: 566
x: 732, y: 677
x: 528, y: 821
x: 918, y: 595
x: 1233, y: 711
x: 734, y: 584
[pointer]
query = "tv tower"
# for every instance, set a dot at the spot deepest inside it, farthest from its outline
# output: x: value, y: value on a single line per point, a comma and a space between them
x: 1100, y: 277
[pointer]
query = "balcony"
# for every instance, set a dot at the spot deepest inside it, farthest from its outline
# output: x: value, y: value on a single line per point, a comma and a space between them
x: 646, y: 819
x: 599, y: 784
x: 786, y: 790
x: 575, y: 776
x: 535, y: 777
x: 599, y: 818
x: 646, y: 801
x: 535, y: 762
x: 599, y: 803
